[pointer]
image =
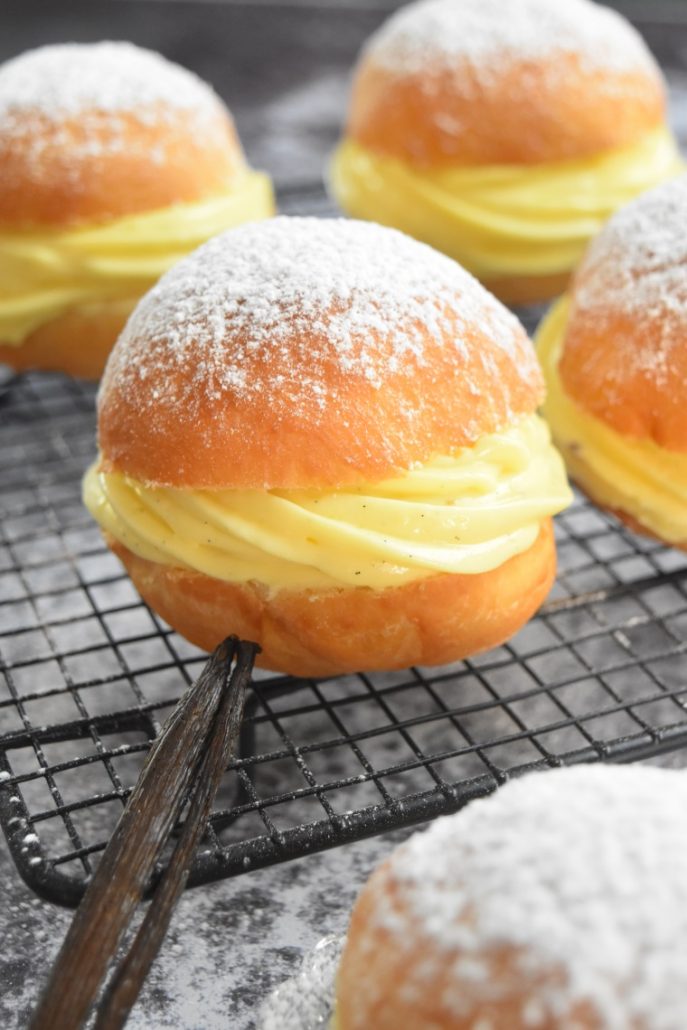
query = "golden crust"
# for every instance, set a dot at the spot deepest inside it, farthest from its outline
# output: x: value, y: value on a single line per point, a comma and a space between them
x: 638, y: 527
x: 308, y: 633
x: 528, y: 289
x: 525, y: 115
x: 159, y: 163
x: 77, y: 342
x: 234, y: 443
x: 631, y: 521
x: 374, y: 969
x: 636, y: 399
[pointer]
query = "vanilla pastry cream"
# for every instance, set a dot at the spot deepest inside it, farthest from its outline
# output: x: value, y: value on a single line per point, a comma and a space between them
x: 468, y: 513
x: 502, y: 220
x: 633, y: 475
x: 44, y: 274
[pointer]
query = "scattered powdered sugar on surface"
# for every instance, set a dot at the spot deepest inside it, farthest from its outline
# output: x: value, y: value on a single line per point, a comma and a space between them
x: 486, y: 33
x: 306, y: 1001
x: 266, y: 310
x: 583, y: 869
x: 638, y: 265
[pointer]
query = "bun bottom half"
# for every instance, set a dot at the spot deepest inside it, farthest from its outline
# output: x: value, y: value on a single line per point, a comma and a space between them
x: 531, y: 289
x: 430, y: 621
x: 630, y: 521
x: 77, y: 343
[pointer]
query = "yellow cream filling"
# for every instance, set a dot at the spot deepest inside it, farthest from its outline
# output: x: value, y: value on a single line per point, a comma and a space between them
x: 637, y: 476
x: 502, y: 220
x: 467, y: 513
x: 45, y: 274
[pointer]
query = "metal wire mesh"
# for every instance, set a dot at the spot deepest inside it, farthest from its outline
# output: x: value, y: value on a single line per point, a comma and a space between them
x: 89, y: 674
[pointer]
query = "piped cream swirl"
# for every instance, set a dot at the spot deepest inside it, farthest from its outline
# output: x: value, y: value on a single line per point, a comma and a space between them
x: 44, y: 274
x: 503, y: 220
x: 636, y: 476
x: 468, y: 514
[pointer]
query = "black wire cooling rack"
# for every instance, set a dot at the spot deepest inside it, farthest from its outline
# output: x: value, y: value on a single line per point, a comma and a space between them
x: 89, y: 673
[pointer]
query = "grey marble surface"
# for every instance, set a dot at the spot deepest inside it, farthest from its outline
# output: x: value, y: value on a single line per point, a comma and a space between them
x: 228, y: 946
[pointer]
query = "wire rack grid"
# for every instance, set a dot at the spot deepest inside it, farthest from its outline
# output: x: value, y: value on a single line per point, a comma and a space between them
x: 89, y: 674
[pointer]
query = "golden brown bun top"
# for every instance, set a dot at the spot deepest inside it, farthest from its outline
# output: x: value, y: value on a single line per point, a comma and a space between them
x: 504, y: 81
x: 91, y: 132
x: 302, y: 352
x: 490, y: 912
x: 624, y: 356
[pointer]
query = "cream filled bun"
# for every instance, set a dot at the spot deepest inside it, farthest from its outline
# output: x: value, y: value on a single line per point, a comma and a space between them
x: 559, y: 903
x: 504, y: 132
x: 321, y: 435
x: 114, y: 164
x: 614, y: 353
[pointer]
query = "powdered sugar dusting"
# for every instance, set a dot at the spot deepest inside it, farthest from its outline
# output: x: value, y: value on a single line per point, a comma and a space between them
x: 582, y: 869
x: 305, y: 1002
x: 267, y: 310
x: 485, y: 35
x: 102, y: 85
x: 68, y: 79
x: 638, y: 265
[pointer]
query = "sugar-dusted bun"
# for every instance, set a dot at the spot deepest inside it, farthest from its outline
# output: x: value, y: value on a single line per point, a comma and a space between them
x: 305, y: 353
x: 624, y: 355
x: 560, y: 902
x: 490, y: 82
x: 94, y: 136
x: 615, y: 361
x: 321, y: 360
x: 92, y: 132
x: 504, y: 133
